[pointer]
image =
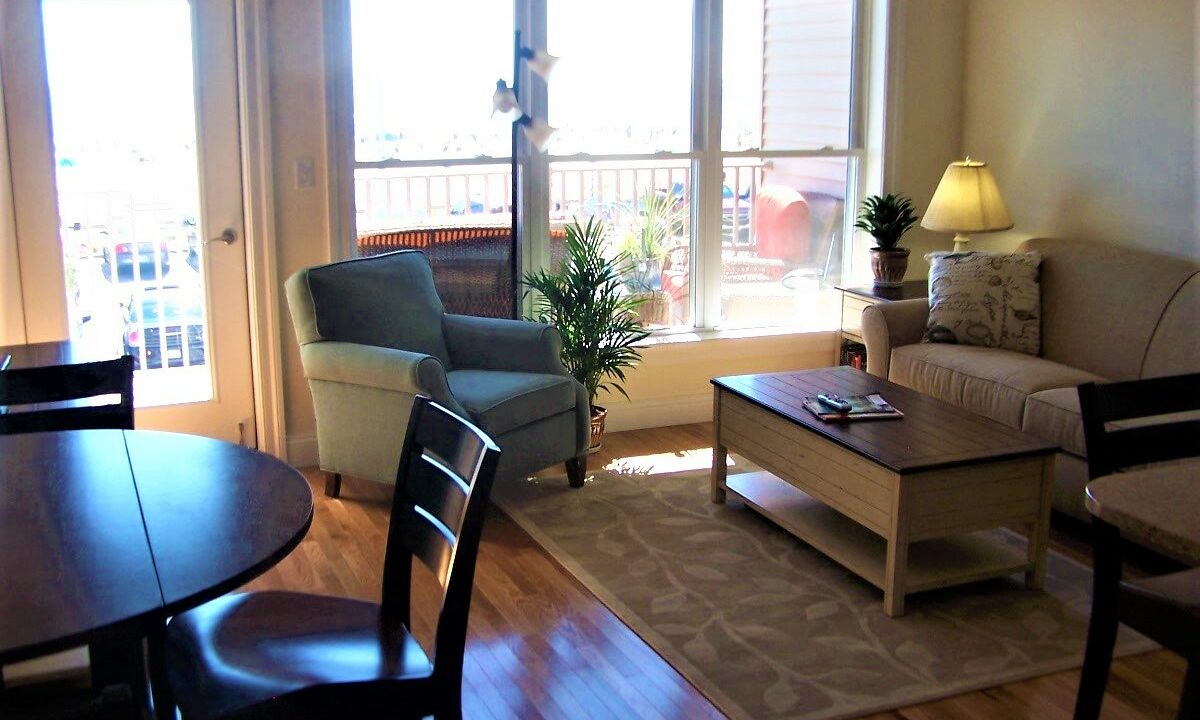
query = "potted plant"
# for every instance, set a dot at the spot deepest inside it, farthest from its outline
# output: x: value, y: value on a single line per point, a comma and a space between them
x: 649, y: 230
x: 886, y: 218
x: 585, y: 299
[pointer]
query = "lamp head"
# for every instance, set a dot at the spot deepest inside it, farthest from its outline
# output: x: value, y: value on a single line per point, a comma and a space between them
x: 540, y: 61
x: 967, y: 200
x: 504, y: 100
x: 537, y: 131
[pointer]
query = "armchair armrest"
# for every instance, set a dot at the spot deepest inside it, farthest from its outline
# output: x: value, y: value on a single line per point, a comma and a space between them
x: 499, y: 344
x: 378, y: 367
x: 889, y: 325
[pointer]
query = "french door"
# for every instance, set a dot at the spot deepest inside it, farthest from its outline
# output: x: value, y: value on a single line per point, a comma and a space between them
x: 143, y: 119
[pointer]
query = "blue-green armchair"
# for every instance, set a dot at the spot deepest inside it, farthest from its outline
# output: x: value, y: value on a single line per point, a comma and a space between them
x: 373, y: 334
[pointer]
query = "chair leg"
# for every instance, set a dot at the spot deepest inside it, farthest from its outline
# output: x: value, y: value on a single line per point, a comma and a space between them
x: 577, y: 471
x: 160, y: 689
x: 1102, y: 628
x: 333, y: 484
x: 1189, y: 701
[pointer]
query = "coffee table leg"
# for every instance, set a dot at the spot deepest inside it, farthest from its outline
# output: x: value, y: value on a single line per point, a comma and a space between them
x: 1039, y: 532
x: 896, y: 569
x: 720, y: 453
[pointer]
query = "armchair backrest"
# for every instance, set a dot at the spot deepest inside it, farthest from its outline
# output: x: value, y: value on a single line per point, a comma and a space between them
x: 386, y: 300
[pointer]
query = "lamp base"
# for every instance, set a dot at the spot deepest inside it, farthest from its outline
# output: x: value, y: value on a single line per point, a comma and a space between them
x: 961, y: 240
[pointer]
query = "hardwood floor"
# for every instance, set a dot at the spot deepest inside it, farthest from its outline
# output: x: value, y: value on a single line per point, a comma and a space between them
x: 541, y: 646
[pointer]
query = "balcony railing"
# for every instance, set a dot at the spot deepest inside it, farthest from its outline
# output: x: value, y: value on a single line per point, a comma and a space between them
x: 460, y: 217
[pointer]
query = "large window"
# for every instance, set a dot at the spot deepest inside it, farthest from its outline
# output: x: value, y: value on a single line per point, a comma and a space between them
x: 730, y: 196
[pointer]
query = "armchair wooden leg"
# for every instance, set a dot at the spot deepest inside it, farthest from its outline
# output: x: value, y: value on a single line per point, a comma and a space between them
x: 577, y: 470
x: 333, y: 484
x: 1102, y: 627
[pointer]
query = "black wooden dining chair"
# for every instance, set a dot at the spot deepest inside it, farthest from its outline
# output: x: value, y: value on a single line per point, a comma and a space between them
x: 78, y: 387
x: 1120, y: 437
x: 74, y: 385
x: 291, y: 655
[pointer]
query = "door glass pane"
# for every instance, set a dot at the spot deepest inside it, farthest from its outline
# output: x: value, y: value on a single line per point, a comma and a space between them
x: 786, y: 74
x: 124, y: 130
x: 781, y: 245
x: 624, y: 82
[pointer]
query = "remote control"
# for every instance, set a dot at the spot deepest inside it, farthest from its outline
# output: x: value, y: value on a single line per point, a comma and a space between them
x: 835, y: 402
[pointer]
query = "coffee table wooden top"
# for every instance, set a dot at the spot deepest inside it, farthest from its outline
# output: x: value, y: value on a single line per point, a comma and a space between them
x: 932, y: 434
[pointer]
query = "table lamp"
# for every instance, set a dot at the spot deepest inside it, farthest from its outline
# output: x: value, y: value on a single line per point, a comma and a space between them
x: 967, y: 200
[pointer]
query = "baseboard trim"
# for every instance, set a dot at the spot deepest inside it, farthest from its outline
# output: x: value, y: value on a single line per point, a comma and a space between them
x: 659, y: 412
x: 302, y: 451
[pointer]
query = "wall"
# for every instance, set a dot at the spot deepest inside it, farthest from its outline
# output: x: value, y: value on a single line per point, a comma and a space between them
x: 1085, y: 110
x: 297, y: 76
x: 923, y: 121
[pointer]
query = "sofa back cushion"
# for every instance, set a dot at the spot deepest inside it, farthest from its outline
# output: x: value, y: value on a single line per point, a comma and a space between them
x: 1101, y: 303
x: 1175, y: 346
x: 387, y: 300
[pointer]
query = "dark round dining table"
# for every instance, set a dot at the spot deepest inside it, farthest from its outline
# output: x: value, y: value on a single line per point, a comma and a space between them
x: 106, y: 532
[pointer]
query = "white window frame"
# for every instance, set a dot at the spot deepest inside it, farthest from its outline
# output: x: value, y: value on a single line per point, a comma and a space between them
x: 707, y: 157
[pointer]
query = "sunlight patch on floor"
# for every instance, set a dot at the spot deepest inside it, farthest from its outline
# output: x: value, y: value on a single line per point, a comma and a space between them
x: 669, y: 462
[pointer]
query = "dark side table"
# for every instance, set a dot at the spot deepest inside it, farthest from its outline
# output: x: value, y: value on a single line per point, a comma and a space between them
x: 856, y: 299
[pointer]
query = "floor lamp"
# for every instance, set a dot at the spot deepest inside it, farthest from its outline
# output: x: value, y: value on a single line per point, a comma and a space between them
x: 507, y: 100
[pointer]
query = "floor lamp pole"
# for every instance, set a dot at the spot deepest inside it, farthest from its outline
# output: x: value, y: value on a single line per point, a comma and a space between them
x: 516, y: 184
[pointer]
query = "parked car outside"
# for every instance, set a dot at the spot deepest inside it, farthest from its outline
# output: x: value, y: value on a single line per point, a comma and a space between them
x: 119, y: 262
x: 156, y: 321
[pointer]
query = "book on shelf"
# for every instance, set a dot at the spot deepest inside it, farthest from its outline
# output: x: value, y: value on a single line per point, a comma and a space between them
x: 862, y: 407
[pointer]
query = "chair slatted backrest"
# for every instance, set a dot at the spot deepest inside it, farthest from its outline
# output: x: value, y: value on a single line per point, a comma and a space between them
x: 67, y: 384
x: 1134, y: 439
x: 447, y: 466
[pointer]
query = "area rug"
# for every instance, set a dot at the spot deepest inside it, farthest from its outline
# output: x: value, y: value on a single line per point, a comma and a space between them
x: 767, y: 627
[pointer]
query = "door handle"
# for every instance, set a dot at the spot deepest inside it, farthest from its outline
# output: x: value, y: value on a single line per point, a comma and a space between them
x: 228, y: 237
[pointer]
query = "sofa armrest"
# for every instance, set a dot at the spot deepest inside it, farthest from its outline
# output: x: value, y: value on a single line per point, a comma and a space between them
x: 379, y: 367
x: 889, y: 325
x: 499, y: 344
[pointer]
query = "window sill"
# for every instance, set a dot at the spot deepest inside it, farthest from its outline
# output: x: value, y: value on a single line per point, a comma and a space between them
x: 716, y: 334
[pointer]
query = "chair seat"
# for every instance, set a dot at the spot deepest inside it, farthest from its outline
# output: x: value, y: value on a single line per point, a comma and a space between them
x: 1165, y: 607
x: 500, y: 401
x: 258, y: 646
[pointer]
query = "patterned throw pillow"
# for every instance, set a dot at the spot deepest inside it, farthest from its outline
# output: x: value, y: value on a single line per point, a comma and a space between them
x: 988, y: 299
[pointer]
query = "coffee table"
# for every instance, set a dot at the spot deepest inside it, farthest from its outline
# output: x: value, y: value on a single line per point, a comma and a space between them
x: 908, y: 505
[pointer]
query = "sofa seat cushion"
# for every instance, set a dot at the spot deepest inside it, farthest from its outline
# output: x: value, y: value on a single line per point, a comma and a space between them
x: 987, y: 381
x: 500, y: 401
x: 1054, y: 415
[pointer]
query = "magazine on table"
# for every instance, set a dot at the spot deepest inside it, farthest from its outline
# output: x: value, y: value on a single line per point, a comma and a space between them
x: 848, y: 408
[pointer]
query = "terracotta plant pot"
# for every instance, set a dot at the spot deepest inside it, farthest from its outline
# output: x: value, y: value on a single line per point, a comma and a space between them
x: 889, y: 266
x: 598, y: 415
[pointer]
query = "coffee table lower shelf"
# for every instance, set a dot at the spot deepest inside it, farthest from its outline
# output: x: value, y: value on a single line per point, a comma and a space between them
x: 932, y: 564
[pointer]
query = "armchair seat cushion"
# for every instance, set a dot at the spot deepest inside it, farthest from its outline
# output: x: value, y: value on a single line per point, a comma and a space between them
x: 987, y: 381
x: 501, y: 401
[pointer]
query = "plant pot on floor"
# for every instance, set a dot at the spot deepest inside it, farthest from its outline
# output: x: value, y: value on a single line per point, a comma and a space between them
x: 889, y: 266
x: 598, y: 415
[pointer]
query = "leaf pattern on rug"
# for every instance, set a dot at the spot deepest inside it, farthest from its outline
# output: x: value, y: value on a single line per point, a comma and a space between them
x: 766, y: 626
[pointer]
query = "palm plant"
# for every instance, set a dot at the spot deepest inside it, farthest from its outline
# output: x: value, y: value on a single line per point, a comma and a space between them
x: 585, y: 300
x: 886, y: 218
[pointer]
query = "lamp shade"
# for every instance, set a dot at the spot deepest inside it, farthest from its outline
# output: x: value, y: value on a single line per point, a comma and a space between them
x: 504, y: 100
x: 967, y: 200
x: 537, y: 131
x: 540, y: 61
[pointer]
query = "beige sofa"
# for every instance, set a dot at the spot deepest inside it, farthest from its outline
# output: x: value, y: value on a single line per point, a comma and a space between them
x: 1108, y: 313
